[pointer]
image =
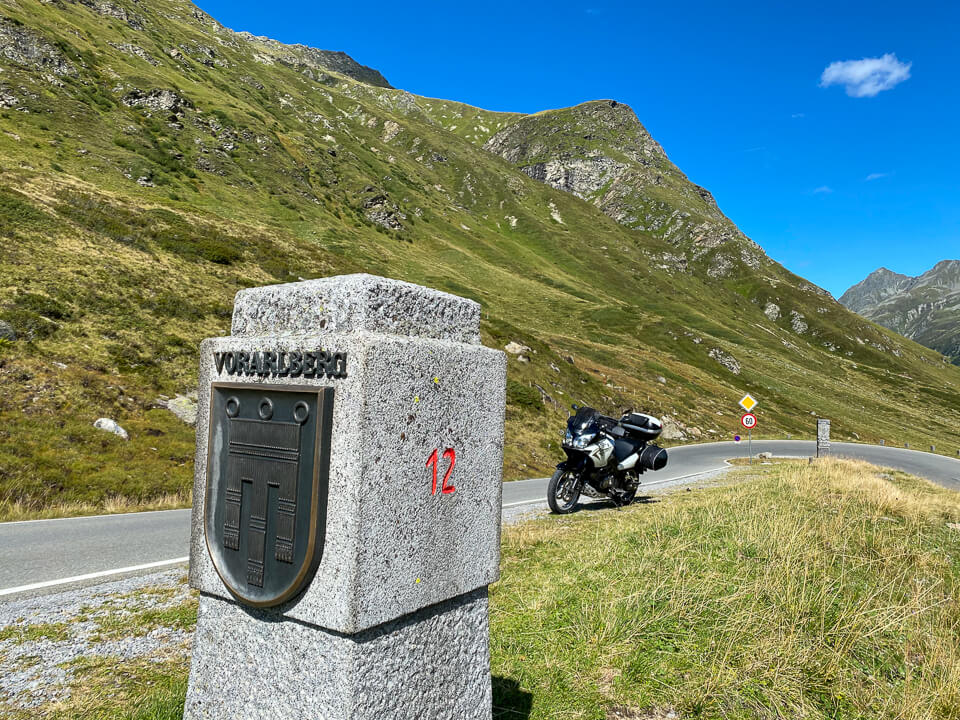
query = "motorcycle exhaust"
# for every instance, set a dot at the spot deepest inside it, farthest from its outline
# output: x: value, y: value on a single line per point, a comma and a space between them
x: 628, y: 462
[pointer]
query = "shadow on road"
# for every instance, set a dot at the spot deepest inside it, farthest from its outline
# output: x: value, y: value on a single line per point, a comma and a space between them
x: 509, y: 701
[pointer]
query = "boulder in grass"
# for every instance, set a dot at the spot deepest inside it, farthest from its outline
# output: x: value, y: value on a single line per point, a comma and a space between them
x: 111, y: 426
x: 516, y: 348
x: 672, y: 430
x: 183, y: 406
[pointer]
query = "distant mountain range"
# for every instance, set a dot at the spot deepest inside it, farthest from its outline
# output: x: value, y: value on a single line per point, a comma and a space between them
x: 925, y: 308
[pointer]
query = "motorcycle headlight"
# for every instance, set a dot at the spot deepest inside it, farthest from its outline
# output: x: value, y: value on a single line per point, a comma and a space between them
x: 583, y: 440
x: 568, y: 438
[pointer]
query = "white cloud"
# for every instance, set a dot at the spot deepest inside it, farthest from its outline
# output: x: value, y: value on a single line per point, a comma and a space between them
x: 797, y: 115
x: 866, y: 77
x: 823, y: 189
x: 877, y: 176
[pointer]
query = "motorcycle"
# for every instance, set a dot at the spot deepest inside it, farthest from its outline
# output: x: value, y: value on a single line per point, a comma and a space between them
x: 605, y: 458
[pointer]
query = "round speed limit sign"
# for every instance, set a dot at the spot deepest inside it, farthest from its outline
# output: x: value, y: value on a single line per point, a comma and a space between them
x: 749, y: 421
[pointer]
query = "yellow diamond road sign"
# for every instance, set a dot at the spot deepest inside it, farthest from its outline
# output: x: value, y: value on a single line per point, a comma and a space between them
x: 748, y: 402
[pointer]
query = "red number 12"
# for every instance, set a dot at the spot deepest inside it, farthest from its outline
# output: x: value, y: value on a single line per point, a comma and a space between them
x: 448, y: 454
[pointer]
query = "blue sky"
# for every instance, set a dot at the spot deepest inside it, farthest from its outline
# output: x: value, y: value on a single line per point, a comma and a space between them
x: 731, y: 90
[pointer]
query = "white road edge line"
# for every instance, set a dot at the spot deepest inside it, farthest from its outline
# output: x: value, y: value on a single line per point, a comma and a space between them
x: 91, y: 576
x: 525, y: 502
x: 92, y: 517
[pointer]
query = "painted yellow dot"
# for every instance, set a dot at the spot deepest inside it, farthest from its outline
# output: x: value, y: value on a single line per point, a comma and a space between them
x: 436, y: 380
x: 416, y: 398
x: 418, y: 580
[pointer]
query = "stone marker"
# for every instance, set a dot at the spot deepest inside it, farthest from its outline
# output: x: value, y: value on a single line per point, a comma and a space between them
x: 823, y: 437
x: 346, y: 518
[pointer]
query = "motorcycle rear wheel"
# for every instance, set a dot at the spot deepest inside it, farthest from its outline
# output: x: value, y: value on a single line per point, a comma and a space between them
x: 563, y: 491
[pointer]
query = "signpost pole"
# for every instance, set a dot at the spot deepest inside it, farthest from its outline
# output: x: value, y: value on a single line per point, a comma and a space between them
x: 748, y: 403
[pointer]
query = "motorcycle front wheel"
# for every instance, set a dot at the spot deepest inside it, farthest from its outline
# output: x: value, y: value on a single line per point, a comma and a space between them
x: 563, y: 491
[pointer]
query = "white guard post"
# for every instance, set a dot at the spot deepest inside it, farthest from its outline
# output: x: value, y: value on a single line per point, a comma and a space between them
x: 823, y: 437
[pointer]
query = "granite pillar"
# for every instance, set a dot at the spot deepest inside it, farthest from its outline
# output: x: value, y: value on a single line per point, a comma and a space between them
x: 389, y: 619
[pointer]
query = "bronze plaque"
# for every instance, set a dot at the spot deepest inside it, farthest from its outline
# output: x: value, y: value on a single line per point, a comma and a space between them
x: 267, y: 480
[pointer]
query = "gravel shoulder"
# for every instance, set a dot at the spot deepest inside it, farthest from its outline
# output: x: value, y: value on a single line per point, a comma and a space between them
x: 45, y: 640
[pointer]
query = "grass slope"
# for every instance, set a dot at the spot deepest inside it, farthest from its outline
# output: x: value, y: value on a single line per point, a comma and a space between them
x: 153, y: 162
x: 823, y: 591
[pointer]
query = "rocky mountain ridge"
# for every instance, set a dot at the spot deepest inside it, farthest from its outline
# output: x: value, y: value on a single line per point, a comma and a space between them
x: 602, y: 153
x: 925, y: 308
x: 313, y: 62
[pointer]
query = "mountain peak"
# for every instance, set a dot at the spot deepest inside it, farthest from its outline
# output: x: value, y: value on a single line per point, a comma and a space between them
x: 923, y: 308
x: 874, y: 289
x: 886, y: 273
x: 945, y: 265
x: 601, y: 152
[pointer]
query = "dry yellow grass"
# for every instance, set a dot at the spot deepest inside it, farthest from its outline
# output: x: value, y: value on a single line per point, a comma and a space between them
x: 13, y: 511
x: 821, y: 591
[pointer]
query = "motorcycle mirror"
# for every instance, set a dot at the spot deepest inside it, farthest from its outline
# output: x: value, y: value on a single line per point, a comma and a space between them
x: 575, y: 406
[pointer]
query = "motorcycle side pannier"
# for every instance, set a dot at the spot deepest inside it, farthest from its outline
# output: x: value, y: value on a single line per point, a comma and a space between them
x: 653, y: 458
x: 642, y: 427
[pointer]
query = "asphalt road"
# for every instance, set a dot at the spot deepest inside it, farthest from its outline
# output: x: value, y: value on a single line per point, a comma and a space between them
x: 45, y: 555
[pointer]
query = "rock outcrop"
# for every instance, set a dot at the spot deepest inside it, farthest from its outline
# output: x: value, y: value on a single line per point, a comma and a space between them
x: 725, y: 359
x: 109, y: 9
x: 7, y: 331
x: 159, y: 100
x: 28, y: 48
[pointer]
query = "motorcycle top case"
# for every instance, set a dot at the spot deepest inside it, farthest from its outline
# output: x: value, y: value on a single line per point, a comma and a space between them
x: 653, y: 458
x: 643, y: 427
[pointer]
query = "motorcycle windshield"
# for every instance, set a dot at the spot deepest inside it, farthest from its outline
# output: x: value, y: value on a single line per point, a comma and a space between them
x: 583, y: 420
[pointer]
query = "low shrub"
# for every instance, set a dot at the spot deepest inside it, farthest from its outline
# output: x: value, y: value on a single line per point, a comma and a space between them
x: 523, y: 396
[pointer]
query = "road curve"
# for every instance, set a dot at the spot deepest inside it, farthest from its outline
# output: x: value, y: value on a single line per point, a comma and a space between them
x: 46, y: 555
